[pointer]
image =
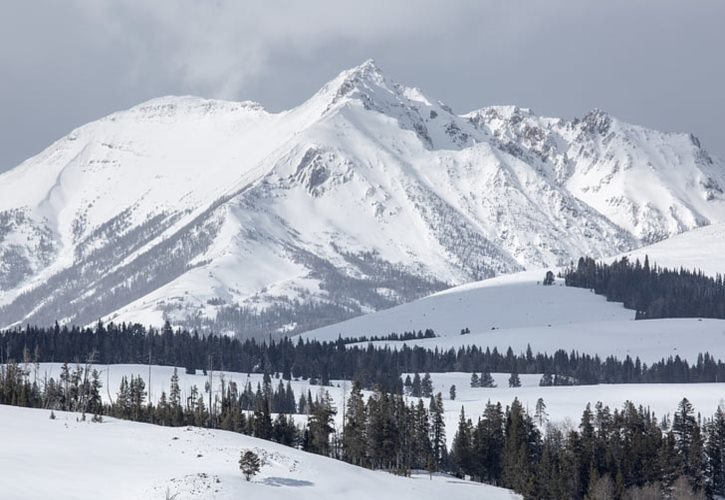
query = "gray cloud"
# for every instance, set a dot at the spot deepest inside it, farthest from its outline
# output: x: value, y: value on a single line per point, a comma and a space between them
x: 657, y: 63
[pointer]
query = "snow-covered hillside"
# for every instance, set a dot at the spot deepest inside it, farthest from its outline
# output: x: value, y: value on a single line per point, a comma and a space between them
x: 517, y: 311
x: 127, y: 460
x: 513, y: 301
x: 367, y: 195
x: 702, y: 248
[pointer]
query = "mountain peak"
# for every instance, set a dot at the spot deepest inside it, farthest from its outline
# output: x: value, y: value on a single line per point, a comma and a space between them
x: 365, y: 82
x: 368, y: 71
x: 597, y: 121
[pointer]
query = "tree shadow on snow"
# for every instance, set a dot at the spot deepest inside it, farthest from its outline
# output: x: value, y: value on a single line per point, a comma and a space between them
x: 285, y: 481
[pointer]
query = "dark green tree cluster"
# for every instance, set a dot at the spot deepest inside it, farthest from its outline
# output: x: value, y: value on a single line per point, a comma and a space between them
x: 398, y: 337
x: 417, y: 387
x: 325, y: 361
x: 613, y: 454
x: 77, y: 389
x: 652, y: 291
x: 387, y: 432
x: 484, y: 380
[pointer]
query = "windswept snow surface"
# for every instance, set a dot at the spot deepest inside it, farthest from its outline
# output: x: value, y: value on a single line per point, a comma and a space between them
x: 65, y: 459
x: 367, y: 195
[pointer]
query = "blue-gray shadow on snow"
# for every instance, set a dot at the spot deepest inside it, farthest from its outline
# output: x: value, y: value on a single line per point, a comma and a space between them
x: 285, y: 481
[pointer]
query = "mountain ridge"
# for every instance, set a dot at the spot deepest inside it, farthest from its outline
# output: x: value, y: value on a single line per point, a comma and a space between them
x: 226, y: 217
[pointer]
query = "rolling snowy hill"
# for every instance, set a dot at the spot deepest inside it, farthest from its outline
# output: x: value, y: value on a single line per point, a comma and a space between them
x: 126, y: 460
x: 222, y: 215
x: 702, y: 248
x: 517, y: 311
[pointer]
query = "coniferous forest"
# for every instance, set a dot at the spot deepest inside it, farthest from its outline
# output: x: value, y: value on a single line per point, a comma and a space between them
x: 652, y: 291
x: 370, y: 366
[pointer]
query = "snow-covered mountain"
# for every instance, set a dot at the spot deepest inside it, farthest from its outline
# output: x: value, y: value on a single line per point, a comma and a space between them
x: 367, y: 195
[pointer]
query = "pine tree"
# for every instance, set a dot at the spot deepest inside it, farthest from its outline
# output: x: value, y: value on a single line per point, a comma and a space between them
x: 488, y: 442
x: 354, y: 438
x: 518, y: 454
x: 486, y: 380
x: 408, y: 385
x: 415, y: 387
x: 688, y: 442
x: 421, y: 438
x: 320, y: 424
x: 514, y: 380
x: 452, y: 393
x: 426, y: 386
x: 249, y: 464
x: 715, y: 451
x: 437, y: 428
x: 546, y: 380
x: 549, y: 278
x: 475, y: 381
x: 540, y: 414
x: 462, y: 447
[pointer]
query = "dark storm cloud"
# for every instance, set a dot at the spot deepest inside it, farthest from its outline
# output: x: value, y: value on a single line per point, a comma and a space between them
x: 656, y: 63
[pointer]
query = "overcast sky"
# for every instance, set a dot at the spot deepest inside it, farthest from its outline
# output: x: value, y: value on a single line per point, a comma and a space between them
x: 657, y: 63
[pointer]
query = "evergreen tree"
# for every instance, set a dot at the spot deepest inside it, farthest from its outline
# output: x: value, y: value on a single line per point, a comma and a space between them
x: 549, y: 278
x: 408, y: 385
x: 249, y: 464
x: 320, y: 423
x: 462, y: 448
x: 540, y: 414
x: 354, y: 440
x: 426, y: 386
x: 415, y: 388
x: 715, y: 452
x: 514, y: 380
x: 438, y: 429
x: 688, y: 443
x: 486, y: 380
x: 546, y: 380
x: 452, y: 393
x: 519, y: 452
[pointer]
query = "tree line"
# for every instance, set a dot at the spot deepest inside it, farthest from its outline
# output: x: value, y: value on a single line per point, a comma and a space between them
x: 325, y: 361
x: 652, y: 291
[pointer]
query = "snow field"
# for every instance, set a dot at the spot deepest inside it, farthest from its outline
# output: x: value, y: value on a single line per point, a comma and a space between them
x: 65, y: 459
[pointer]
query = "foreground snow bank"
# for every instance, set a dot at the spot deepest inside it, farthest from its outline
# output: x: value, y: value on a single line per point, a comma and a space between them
x: 63, y: 459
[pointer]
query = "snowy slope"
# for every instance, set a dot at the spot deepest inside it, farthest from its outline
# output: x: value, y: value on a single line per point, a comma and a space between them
x: 513, y: 301
x: 126, y: 460
x: 367, y: 195
x: 650, y: 340
x: 516, y: 311
x: 702, y: 248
